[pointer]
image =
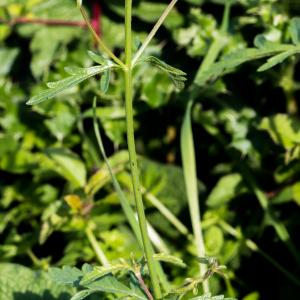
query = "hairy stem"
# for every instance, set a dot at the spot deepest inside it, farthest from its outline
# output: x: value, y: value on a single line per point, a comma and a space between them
x: 132, y: 152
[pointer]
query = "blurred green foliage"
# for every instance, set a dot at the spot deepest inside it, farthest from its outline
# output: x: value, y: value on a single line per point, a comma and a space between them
x: 246, y: 131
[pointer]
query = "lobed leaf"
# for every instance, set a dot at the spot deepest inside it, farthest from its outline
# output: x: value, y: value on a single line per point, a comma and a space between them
x: 109, y: 284
x: 230, y: 62
x: 57, y: 87
x: 177, y: 76
x: 66, y: 275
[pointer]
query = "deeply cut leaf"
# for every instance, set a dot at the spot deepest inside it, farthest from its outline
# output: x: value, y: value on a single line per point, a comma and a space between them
x: 177, y: 76
x: 57, y: 87
x: 230, y: 62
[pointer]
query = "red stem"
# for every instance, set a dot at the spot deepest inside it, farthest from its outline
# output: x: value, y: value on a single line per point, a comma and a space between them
x: 24, y: 20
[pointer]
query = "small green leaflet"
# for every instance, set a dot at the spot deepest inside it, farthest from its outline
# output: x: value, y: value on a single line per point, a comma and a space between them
x: 277, y: 59
x: 105, y: 78
x: 177, y: 76
x: 99, y: 272
x: 57, y: 87
x: 83, y: 294
x: 169, y: 259
x: 294, y: 30
x: 97, y: 58
x: 104, y: 81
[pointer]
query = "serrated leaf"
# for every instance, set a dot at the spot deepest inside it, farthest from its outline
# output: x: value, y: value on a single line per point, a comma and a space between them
x: 96, y: 58
x: 83, y: 294
x: 57, y: 87
x: 169, y: 259
x: 99, y: 272
x: 109, y: 284
x: 20, y: 283
x: 66, y: 275
x: 104, y: 81
x: 277, y: 59
x: 177, y: 76
x: 294, y: 30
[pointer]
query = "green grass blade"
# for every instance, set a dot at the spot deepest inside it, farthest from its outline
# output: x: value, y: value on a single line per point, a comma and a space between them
x: 190, y: 177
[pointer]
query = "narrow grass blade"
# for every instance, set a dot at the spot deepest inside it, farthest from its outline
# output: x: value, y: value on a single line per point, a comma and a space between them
x: 190, y: 177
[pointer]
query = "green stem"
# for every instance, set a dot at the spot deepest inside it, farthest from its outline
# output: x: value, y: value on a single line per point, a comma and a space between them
x: 165, y: 212
x: 103, y: 47
x: 95, y: 245
x: 153, y: 31
x: 254, y: 247
x: 132, y: 152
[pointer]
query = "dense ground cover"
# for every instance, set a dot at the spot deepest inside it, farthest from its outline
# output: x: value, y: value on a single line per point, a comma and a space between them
x: 56, y: 191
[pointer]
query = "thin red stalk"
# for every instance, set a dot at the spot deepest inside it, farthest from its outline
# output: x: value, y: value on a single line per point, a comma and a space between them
x: 24, y: 20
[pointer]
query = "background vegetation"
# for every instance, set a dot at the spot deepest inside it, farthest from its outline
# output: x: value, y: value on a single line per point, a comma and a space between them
x: 55, y: 188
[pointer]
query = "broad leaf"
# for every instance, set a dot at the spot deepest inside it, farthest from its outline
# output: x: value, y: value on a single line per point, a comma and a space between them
x: 66, y: 275
x: 68, y: 165
x: 109, y: 284
x: 57, y: 87
x: 283, y: 129
x: 227, y: 188
x: 20, y: 283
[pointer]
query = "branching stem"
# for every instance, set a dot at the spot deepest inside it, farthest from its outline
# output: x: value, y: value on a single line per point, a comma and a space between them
x: 102, y: 45
x: 153, y: 31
